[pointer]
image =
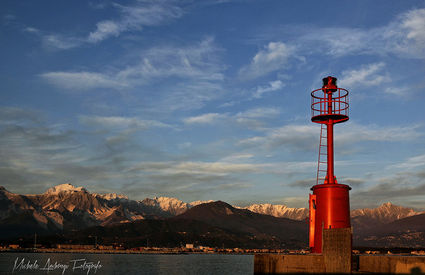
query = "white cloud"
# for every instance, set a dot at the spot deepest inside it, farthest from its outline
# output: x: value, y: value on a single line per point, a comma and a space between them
x: 259, y: 113
x: 205, y: 118
x: 405, y: 36
x: 121, y: 122
x: 297, y: 136
x: 61, y: 42
x: 368, y: 75
x: 255, y: 118
x: 132, y: 18
x: 351, y: 133
x: 198, y: 168
x: 397, y: 91
x: 83, y: 80
x: 271, y: 87
x: 236, y: 157
x: 135, y: 18
x: 197, y: 64
x: 216, y: 167
x: 414, y: 23
x: 410, y: 163
x: 403, y: 187
x: 151, y: 13
x: 249, y: 117
x: 104, y: 30
x: 195, y: 61
x: 305, y: 137
x: 273, y: 57
x: 31, y: 30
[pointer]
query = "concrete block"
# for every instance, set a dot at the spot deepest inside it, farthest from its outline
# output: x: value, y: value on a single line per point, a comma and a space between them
x: 393, y: 264
x: 281, y: 264
x: 336, y: 249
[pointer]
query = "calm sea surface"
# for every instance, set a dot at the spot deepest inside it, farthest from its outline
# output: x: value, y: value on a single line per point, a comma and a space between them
x: 72, y: 263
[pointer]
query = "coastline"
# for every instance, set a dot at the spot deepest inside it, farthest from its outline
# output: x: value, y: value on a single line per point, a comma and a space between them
x: 114, y: 251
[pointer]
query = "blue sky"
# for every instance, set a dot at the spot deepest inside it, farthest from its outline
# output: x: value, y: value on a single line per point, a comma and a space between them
x: 208, y: 100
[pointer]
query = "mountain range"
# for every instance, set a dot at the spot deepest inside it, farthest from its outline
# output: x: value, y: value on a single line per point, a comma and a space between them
x: 66, y: 208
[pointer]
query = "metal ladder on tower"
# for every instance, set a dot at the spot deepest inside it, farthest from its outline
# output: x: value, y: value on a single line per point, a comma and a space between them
x: 322, y: 163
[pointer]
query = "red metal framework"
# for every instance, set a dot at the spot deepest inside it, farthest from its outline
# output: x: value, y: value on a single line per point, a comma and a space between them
x: 329, y: 203
x: 320, y: 100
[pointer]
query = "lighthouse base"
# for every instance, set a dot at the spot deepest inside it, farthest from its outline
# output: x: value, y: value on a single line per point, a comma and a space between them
x: 329, y: 209
x: 336, y: 250
x: 335, y: 258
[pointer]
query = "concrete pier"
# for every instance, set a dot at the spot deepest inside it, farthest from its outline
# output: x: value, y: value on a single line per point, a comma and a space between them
x: 315, y: 264
x: 337, y: 258
x: 391, y: 264
x: 281, y: 264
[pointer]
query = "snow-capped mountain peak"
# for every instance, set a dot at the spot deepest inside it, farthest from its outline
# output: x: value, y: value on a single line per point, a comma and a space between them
x: 112, y: 196
x: 172, y: 205
x: 66, y: 187
x: 278, y: 210
x: 386, y: 212
x: 195, y: 203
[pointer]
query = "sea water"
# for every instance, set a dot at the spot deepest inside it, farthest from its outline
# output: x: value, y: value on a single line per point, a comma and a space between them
x: 81, y: 263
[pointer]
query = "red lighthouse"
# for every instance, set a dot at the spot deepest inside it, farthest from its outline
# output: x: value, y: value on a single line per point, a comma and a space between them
x: 329, y: 204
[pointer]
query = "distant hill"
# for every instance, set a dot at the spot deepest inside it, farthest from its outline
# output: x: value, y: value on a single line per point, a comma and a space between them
x: 214, y: 224
x: 223, y: 215
x: 405, y: 232
x: 66, y: 208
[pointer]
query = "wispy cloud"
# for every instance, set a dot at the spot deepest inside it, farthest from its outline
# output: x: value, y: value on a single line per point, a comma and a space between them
x: 397, y: 187
x: 305, y: 137
x: 402, y: 182
x: 114, y: 122
x: 303, y: 183
x: 253, y: 118
x: 132, y: 18
x: 274, y: 56
x: 31, y: 30
x: 352, y: 133
x: 83, y: 80
x: 261, y: 112
x: 104, y: 29
x: 221, y: 168
x: 194, y: 75
x: 205, y: 118
x: 410, y: 163
x: 295, y: 136
x: 398, y: 91
x: 16, y: 116
x: 193, y: 178
x: 256, y: 118
x: 236, y: 158
x: 367, y: 75
x: 404, y: 36
x: 414, y: 23
x: 36, y: 155
x: 198, y: 60
x: 61, y: 42
x: 271, y: 87
x: 29, y: 147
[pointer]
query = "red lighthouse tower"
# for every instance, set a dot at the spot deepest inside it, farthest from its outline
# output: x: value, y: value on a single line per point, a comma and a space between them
x: 329, y: 204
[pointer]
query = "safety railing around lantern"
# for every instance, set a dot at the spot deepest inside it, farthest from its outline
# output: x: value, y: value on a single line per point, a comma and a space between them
x: 320, y: 105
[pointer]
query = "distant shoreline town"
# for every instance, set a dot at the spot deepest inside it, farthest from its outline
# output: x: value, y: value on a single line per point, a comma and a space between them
x: 191, y: 249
